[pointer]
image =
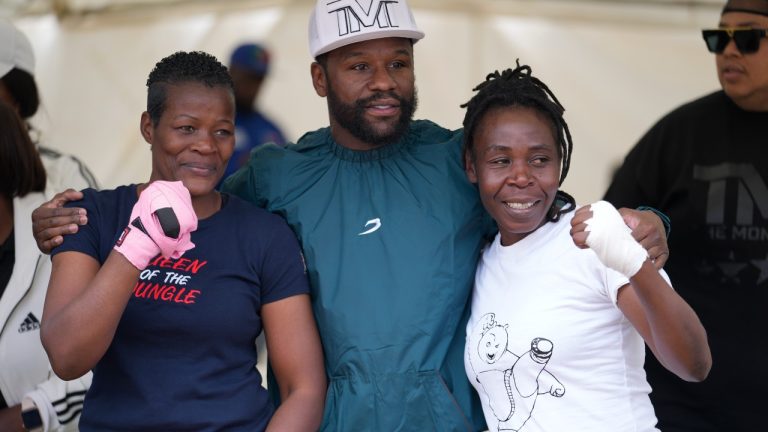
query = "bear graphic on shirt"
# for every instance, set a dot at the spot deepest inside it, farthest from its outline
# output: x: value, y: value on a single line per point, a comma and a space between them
x: 509, y: 383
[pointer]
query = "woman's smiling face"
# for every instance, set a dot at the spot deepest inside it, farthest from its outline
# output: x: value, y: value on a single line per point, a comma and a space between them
x: 194, y: 137
x: 515, y: 162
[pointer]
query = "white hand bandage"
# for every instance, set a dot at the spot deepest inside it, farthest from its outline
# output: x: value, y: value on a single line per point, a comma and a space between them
x: 612, y: 240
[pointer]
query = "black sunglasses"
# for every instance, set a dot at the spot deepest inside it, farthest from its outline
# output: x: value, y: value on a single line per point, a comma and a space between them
x: 747, y: 39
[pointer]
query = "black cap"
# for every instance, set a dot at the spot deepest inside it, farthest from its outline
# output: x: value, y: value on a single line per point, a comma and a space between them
x: 759, y: 7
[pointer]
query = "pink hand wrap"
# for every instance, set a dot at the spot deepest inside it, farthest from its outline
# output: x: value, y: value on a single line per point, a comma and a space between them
x: 160, y: 223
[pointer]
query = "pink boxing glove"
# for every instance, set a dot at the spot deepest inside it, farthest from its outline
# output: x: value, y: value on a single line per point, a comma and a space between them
x: 160, y: 223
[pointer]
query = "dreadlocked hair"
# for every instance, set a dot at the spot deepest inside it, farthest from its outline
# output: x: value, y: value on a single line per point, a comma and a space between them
x: 183, y: 67
x: 518, y: 88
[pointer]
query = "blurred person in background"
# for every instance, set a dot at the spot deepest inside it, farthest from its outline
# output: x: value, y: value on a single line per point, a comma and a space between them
x: 249, y: 67
x: 705, y: 165
x: 26, y: 381
x: 19, y: 90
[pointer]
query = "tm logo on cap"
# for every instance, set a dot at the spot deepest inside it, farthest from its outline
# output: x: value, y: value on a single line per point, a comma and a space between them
x: 352, y: 16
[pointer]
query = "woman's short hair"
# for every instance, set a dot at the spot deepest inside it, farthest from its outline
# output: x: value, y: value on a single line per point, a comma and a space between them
x: 183, y: 67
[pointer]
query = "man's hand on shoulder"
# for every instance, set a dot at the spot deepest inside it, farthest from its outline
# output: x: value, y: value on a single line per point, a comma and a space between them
x: 52, y: 221
x: 648, y: 229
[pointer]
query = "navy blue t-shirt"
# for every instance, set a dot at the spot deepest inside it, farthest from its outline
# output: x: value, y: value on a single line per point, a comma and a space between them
x: 184, y: 355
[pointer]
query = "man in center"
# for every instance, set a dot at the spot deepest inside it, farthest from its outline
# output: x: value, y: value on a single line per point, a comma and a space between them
x: 390, y: 227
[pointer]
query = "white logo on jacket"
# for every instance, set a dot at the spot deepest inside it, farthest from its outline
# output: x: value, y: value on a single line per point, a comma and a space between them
x: 376, y: 225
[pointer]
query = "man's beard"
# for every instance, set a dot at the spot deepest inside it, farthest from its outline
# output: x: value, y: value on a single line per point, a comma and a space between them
x: 351, y: 117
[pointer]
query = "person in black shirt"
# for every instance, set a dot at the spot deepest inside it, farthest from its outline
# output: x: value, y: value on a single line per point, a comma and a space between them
x: 705, y: 165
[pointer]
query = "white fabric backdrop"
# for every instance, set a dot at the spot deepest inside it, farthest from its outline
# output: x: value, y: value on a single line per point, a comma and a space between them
x: 616, y: 71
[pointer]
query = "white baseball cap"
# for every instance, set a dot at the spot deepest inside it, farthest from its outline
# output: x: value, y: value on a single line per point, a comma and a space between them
x: 336, y: 23
x: 15, y: 50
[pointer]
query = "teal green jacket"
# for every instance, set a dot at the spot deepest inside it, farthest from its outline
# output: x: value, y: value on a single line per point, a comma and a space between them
x: 391, y: 238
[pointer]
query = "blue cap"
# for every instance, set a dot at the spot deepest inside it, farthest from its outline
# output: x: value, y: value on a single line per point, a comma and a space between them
x: 252, y: 57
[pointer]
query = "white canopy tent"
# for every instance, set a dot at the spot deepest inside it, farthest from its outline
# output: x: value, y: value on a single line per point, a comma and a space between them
x: 617, y: 66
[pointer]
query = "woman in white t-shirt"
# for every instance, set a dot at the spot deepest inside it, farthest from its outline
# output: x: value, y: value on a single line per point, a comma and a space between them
x: 563, y: 301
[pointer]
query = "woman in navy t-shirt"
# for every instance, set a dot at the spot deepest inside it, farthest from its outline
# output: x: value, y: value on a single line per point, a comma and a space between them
x: 171, y: 341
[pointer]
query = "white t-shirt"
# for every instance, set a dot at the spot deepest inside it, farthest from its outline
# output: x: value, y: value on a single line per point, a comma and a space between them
x: 547, y: 348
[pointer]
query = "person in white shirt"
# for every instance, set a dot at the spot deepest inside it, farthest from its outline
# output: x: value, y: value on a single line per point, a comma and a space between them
x: 28, y: 388
x: 563, y: 301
